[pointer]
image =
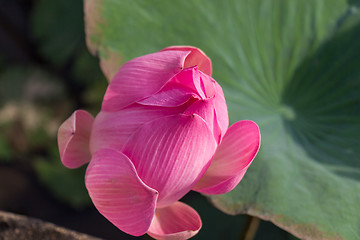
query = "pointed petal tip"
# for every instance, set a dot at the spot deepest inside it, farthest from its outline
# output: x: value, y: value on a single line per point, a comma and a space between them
x: 73, y: 139
x: 118, y: 193
x: 177, y: 221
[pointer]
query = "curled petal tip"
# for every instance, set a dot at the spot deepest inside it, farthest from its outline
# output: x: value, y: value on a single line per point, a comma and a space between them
x: 73, y: 139
x: 196, y: 57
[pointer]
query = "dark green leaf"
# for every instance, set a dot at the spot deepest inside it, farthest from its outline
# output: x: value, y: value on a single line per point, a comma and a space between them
x: 57, y: 26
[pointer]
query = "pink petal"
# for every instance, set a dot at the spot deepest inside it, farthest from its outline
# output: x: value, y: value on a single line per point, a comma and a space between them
x: 175, y: 222
x: 118, y: 193
x: 171, y: 95
x: 218, y: 184
x: 112, y: 129
x: 171, y: 154
x: 73, y: 139
x: 196, y: 81
x: 188, y: 83
x: 190, y: 78
x: 221, y: 111
x: 206, y: 110
x: 142, y: 77
x: 195, y: 58
x: 232, y: 158
x: 208, y: 85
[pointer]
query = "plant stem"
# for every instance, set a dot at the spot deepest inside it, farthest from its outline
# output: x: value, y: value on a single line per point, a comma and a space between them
x: 251, y: 228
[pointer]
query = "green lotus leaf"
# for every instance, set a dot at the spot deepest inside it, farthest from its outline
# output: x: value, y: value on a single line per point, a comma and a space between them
x: 294, y: 68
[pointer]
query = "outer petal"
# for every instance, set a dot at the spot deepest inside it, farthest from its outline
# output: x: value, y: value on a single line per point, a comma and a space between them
x: 142, y: 77
x: 112, y: 129
x: 73, y: 139
x: 232, y: 158
x: 195, y: 58
x: 171, y: 154
x: 175, y: 222
x: 118, y: 193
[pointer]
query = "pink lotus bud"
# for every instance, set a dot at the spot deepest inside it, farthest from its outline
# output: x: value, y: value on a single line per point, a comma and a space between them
x: 162, y: 131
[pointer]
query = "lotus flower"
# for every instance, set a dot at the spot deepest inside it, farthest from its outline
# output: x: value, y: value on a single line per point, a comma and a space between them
x: 161, y: 132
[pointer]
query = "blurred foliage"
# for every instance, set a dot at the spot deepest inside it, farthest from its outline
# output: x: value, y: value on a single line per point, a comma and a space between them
x: 31, y: 105
x: 68, y: 186
x: 58, y: 28
x: 53, y: 75
x: 5, y: 149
